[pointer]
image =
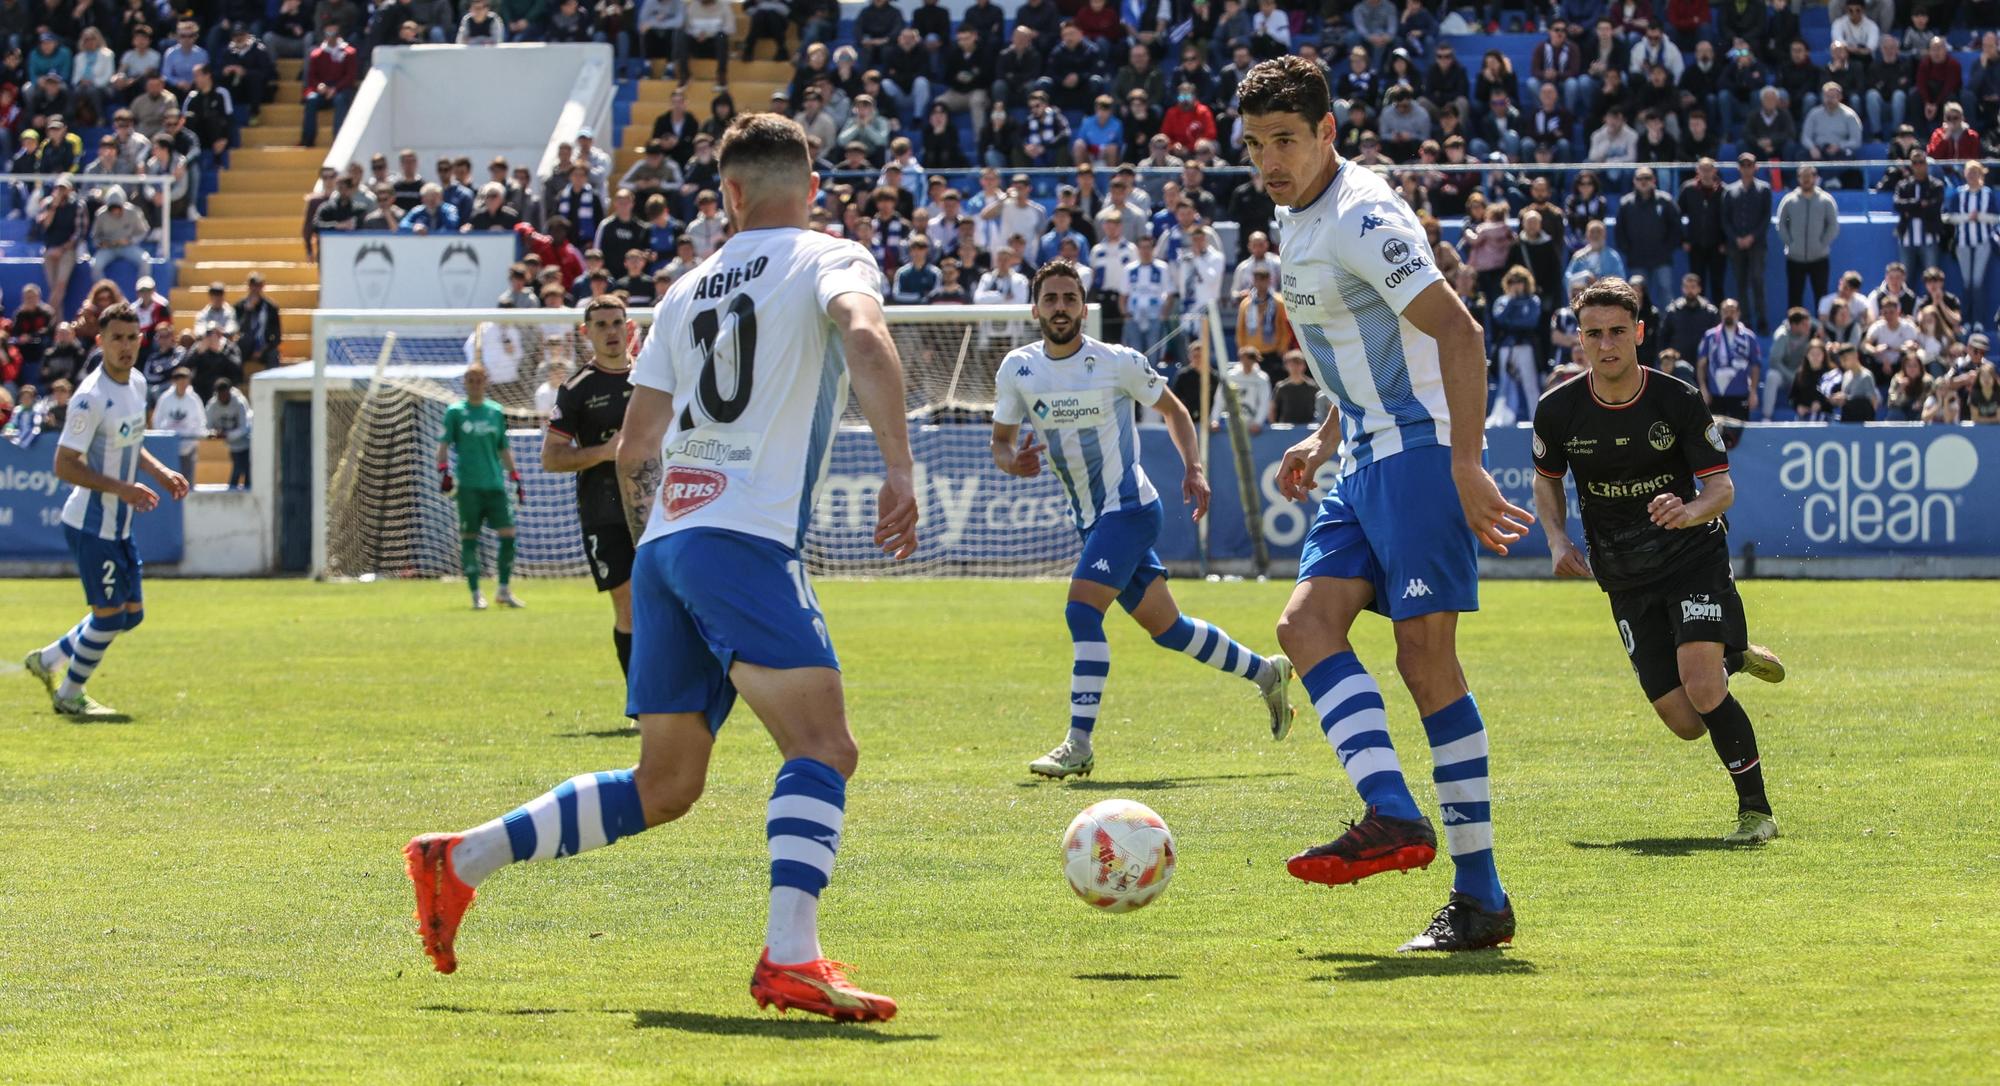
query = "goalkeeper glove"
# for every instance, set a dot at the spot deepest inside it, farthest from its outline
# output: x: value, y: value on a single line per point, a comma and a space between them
x: 520, y: 491
x: 444, y: 478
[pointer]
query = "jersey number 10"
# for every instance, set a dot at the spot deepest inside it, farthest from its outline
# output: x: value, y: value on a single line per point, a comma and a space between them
x: 707, y: 327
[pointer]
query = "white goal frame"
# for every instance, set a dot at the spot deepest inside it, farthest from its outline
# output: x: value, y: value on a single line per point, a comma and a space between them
x: 329, y: 324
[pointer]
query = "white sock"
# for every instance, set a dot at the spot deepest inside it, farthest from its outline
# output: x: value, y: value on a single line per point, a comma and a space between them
x: 792, y: 932
x: 1079, y: 738
x: 483, y: 850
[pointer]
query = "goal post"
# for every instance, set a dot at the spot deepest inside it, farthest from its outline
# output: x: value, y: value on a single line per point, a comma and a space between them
x: 382, y: 379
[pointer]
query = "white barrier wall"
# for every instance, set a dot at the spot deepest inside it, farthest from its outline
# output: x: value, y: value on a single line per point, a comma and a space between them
x: 408, y: 271
x: 450, y: 100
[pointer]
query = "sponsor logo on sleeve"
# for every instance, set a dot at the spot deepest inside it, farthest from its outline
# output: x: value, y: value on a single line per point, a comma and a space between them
x: 1714, y: 436
x: 1395, y: 250
x: 688, y: 489
x: 1541, y: 449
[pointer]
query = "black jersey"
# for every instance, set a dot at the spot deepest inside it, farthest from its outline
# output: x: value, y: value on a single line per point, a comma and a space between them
x: 590, y: 407
x: 1625, y: 455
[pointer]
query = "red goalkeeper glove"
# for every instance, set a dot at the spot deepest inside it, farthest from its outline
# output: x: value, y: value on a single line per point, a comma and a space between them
x: 444, y: 478
x: 520, y: 491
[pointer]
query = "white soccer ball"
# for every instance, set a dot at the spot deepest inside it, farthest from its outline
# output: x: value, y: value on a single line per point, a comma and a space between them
x: 1118, y: 855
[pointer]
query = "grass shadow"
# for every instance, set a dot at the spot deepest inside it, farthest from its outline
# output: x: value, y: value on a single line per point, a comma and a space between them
x: 608, y: 733
x: 806, y: 1029
x: 1379, y: 967
x: 1156, y: 785
x: 1661, y: 846
x: 102, y: 718
x: 454, y: 1008
x: 1128, y: 976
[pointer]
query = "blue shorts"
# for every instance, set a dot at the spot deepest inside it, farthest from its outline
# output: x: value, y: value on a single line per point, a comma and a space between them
x: 1397, y: 524
x: 705, y: 598
x: 110, y: 568
x: 1118, y: 551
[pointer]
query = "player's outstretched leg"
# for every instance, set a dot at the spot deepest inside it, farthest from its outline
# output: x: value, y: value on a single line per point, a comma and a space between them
x: 1478, y: 915
x: 1213, y: 646
x: 1393, y: 835
x: 84, y: 646
x: 1757, y: 662
x: 1090, y: 665
x: 47, y: 663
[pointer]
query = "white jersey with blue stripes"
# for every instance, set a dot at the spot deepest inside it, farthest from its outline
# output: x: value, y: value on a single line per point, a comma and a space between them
x: 744, y: 345
x: 1082, y: 408
x: 107, y: 424
x: 1355, y: 257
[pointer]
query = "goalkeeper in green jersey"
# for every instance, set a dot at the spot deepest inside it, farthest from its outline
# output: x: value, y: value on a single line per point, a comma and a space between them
x: 477, y: 430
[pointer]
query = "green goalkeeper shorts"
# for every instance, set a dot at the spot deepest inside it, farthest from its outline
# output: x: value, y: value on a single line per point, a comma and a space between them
x: 490, y: 508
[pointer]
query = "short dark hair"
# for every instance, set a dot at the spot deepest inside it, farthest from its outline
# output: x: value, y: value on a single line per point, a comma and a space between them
x: 613, y: 300
x: 1288, y: 84
x: 121, y: 311
x: 765, y: 142
x: 1610, y: 291
x: 1054, y: 269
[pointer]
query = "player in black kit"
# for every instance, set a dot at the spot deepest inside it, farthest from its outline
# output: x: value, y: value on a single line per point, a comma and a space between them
x: 1637, y: 440
x: 583, y: 438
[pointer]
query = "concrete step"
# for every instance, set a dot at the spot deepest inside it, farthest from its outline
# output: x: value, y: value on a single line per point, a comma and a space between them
x: 287, y: 297
x: 253, y: 250
x: 656, y: 94
x: 228, y: 227
x: 287, y: 157
x: 276, y: 272
x: 263, y: 182
x: 225, y: 204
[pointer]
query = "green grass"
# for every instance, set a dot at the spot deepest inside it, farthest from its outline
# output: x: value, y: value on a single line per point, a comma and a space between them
x: 213, y: 891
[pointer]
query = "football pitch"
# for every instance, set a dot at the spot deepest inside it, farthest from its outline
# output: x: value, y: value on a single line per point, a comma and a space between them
x: 213, y: 890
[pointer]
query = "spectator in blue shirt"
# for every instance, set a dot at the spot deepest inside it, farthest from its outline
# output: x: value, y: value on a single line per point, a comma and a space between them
x: 177, y: 63
x: 431, y: 215
x: 1101, y: 136
x: 1595, y: 259
x: 1060, y: 230
x: 915, y: 280
x: 1726, y: 369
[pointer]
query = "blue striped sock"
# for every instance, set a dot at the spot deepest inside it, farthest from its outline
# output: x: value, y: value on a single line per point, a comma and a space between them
x: 580, y: 814
x: 1090, y: 665
x: 1465, y: 799
x: 802, y: 824
x: 64, y: 647
x: 1212, y: 646
x: 86, y: 651
x: 1353, y: 717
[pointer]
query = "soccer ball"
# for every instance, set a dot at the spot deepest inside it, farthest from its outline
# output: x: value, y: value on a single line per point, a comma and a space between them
x: 1118, y: 855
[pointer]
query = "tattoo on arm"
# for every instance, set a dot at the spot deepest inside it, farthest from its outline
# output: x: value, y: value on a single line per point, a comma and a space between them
x: 642, y: 483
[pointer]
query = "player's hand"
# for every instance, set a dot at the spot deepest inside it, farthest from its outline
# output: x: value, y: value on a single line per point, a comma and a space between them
x: 1495, y: 520
x: 1295, y: 472
x: 520, y: 489
x: 1027, y: 462
x: 176, y: 484
x: 1194, y: 490
x: 139, y: 496
x: 1668, y: 511
x: 444, y: 480
x: 896, y: 515
x: 1569, y: 561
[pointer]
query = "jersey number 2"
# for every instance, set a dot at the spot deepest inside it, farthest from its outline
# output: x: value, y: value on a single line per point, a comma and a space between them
x: 707, y: 327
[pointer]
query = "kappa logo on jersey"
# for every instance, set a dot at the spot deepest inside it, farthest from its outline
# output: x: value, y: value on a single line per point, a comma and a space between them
x: 1416, y: 589
x: 1370, y: 222
x: 1024, y: 371
x: 1101, y: 566
x: 688, y: 489
x: 1395, y: 250
x: 1698, y: 609
x: 1660, y: 436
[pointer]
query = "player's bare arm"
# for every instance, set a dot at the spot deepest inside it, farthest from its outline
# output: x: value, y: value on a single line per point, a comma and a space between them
x: 564, y: 456
x: 1302, y: 461
x: 174, y: 481
x: 1439, y: 314
x: 1181, y: 428
x: 639, y: 467
x: 1552, y: 506
x: 1716, y: 496
x: 72, y: 468
x: 1024, y: 462
x: 877, y: 374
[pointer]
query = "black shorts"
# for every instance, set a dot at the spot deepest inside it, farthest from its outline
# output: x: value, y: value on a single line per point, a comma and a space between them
x: 1699, y: 604
x: 609, y: 550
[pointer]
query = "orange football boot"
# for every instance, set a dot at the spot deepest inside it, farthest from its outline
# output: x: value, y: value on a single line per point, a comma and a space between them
x: 442, y: 897
x: 820, y: 986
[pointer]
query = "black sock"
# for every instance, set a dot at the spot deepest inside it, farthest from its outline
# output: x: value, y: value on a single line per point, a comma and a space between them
x: 624, y: 642
x: 1736, y: 744
x: 1732, y: 662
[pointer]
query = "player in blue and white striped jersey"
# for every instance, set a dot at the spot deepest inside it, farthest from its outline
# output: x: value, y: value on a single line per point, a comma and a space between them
x: 1079, y: 394
x: 1395, y: 349
x: 100, y: 453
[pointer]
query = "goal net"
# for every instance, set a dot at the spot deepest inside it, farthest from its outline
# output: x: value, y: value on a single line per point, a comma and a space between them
x: 382, y: 382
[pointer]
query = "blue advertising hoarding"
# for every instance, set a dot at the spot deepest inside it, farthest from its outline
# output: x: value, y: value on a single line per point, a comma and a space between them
x: 31, y: 502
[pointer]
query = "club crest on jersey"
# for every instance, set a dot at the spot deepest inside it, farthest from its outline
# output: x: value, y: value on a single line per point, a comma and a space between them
x: 1661, y: 436
x: 1395, y: 250
x: 1714, y: 436
x: 1370, y: 222
x: 688, y: 489
x: 1541, y: 449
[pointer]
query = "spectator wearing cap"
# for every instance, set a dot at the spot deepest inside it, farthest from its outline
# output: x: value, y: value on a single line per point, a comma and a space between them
x: 332, y: 72
x: 867, y: 127
x: 115, y: 235
x: 247, y: 68
x: 594, y: 158
x: 61, y: 149
x: 60, y: 226
x: 155, y: 311
x: 177, y: 64
x: 218, y: 313
x: 262, y: 329
x: 707, y: 26
x: 178, y: 408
